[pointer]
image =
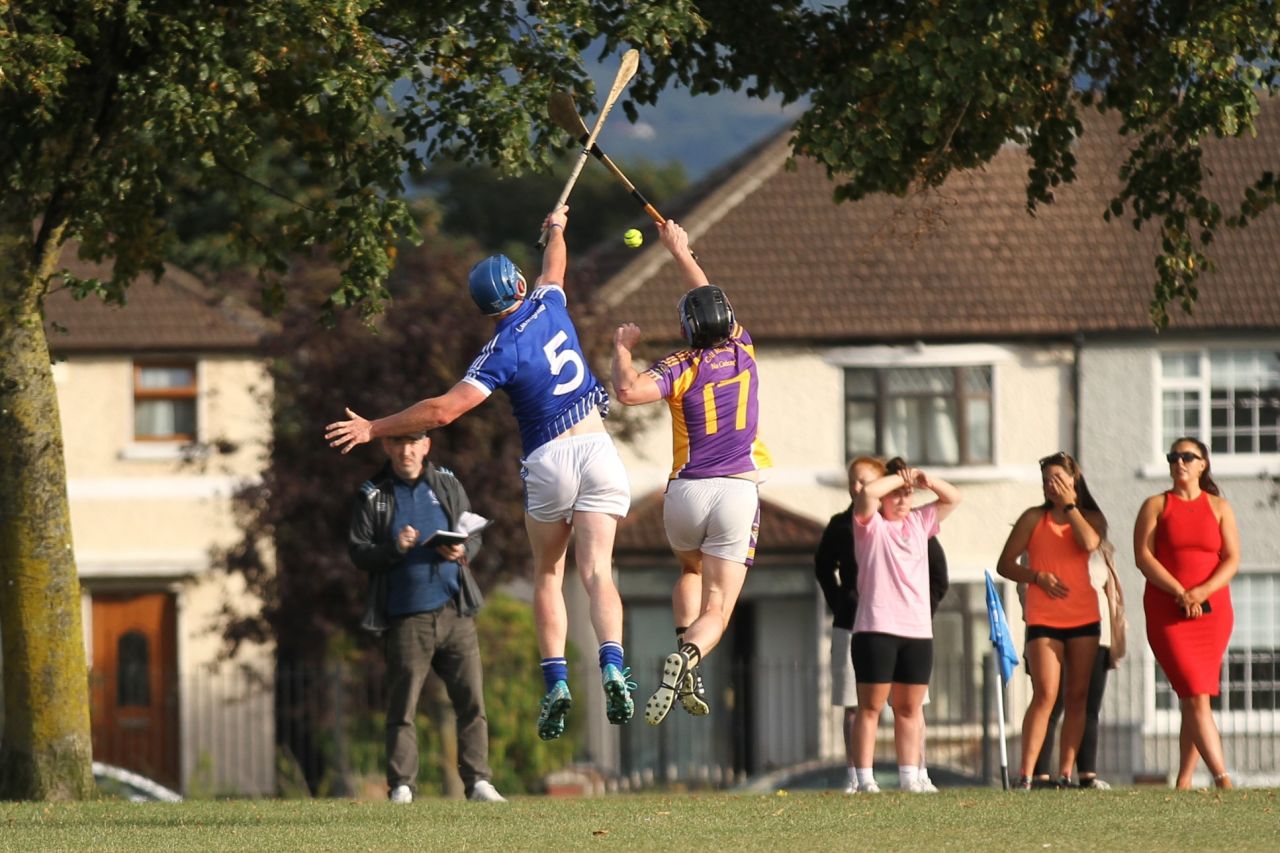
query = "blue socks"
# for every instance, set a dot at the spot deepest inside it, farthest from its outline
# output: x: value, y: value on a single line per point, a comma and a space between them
x: 611, y: 653
x: 557, y: 669
x: 553, y: 670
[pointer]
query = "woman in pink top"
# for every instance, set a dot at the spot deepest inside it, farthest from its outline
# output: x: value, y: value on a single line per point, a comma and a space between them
x: 1062, y: 616
x: 893, y: 628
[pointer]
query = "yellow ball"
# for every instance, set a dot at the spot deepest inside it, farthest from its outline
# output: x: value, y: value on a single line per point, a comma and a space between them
x: 633, y: 238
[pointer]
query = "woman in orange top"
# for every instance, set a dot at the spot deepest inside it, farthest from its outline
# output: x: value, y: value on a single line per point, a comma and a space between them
x: 1062, y: 616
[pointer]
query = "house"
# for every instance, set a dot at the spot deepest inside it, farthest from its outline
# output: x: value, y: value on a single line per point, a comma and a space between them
x: 954, y: 329
x: 162, y: 405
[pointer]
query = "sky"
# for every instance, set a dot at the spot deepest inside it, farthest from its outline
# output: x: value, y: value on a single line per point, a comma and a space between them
x: 701, y: 132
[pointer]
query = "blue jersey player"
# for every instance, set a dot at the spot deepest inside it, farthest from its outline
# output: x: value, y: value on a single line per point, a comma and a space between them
x: 574, y: 478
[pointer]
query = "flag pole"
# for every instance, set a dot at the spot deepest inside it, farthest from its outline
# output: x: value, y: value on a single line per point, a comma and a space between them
x: 1004, y: 749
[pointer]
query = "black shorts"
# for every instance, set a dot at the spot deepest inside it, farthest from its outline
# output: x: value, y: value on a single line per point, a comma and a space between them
x: 1044, y: 632
x: 886, y: 658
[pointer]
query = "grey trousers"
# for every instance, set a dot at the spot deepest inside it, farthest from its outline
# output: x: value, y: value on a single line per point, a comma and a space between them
x: 447, y: 642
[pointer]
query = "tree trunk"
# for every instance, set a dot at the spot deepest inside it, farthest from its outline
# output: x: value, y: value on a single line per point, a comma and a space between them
x: 46, y: 752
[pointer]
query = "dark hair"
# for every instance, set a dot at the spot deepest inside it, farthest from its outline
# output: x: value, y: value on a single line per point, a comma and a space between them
x: 1206, y: 478
x: 896, y: 465
x: 1064, y: 460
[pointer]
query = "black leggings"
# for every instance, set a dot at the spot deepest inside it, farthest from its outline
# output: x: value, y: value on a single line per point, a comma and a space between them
x: 1087, y: 755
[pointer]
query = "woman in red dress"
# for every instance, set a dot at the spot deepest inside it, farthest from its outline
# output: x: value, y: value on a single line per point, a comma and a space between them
x: 1187, y: 545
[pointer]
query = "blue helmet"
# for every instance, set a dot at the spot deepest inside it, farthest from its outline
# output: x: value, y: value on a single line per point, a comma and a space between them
x: 496, y: 284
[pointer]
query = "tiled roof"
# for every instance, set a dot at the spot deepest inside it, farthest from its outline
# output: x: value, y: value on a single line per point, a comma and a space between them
x: 965, y: 261
x: 780, y: 529
x: 175, y: 313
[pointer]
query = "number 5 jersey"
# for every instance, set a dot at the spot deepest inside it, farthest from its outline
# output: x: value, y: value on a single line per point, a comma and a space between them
x: 535, y: 356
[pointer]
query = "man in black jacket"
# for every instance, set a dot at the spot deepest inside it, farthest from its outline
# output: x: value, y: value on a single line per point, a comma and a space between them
x: 837, y: 574
x: 416, y: 597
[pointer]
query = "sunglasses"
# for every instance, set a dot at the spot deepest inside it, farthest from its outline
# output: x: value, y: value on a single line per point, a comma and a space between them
x: 1185, y: 456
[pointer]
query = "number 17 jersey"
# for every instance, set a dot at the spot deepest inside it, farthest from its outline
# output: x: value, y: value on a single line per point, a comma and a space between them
x: 535, y: 356
x: 715, y: 412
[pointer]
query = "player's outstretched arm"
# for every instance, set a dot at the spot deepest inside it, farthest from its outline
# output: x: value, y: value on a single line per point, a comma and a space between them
x: 424, y: 414
x: 555, y: 258
x: 676, y: 239
x: 631, y: 387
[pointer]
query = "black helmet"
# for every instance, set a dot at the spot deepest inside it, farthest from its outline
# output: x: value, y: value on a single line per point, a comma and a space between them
x: 706, y: 317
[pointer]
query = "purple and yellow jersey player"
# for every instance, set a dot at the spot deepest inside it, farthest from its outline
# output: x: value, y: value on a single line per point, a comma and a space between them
x: 713, y: 395
x: 711, y: 510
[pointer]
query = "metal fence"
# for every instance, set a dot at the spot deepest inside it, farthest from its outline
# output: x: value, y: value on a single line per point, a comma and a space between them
x: 314, y: 731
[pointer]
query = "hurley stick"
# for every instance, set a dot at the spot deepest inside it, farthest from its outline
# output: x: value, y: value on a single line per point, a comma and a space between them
x: 626, y: 70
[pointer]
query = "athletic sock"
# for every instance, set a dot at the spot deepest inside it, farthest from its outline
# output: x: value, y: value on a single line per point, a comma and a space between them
x: 611, y: 653
x: 692, y: 652
x: 853, y: 774
x: 865, y: 776
x: 908, y: 774
x: 680, y: 633
x: 553, y: 670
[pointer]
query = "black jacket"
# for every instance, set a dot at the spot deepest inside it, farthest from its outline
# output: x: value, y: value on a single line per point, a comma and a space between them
x: 837, y: 570
x: 372, y: 545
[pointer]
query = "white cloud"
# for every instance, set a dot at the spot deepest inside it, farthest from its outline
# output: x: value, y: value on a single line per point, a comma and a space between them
x: 641, y: 130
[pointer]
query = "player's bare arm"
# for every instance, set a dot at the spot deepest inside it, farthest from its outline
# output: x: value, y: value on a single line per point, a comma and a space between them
x: 676, y: 239
x: 555, y: 258
x: 423, y: 415
x: 631, y: 387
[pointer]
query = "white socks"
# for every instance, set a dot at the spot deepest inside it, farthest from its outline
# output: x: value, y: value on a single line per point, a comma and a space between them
x: 865, y: 776
x: 853, y: 775
x: 908, y: 774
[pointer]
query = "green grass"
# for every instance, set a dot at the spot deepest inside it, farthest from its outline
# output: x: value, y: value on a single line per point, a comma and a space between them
x: 1142, y: 819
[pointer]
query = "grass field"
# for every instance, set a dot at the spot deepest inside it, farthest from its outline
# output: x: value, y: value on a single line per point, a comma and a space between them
x: 957, y: 819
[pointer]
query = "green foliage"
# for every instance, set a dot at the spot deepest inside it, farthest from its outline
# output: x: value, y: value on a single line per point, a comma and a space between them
x: 498, y: 211
x: 512, y: 689
x: 110, y: 112
x: 901, y: 94
x: 299, y: 119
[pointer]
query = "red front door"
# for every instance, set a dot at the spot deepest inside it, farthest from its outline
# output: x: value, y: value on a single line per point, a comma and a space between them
x: 134, y: 684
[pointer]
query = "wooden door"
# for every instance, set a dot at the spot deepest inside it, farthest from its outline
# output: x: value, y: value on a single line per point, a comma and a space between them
x: 134, y: 699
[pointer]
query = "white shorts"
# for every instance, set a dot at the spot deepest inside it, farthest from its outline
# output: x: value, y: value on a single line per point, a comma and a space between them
x: 844, y: 687
x: 581, y: 473
x: 719, y: 516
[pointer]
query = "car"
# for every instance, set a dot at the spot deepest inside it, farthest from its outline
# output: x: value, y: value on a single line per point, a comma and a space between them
x: 124, y: 784
x: 823, y: 775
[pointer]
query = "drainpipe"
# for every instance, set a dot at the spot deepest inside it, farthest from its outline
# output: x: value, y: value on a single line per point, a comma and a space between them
x: 1077, y: 344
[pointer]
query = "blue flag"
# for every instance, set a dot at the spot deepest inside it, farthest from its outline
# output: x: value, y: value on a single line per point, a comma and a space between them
x: 1000, y: 636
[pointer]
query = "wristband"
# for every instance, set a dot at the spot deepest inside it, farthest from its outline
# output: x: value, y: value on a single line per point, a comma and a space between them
x: 1068, y: 507
x: 555, y: 225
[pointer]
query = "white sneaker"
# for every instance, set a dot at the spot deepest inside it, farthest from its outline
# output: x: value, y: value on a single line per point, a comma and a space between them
x: 400, y: 794
x: 926, y: 784
x: 484, y: 792
x: 851, y: 788
x: 869, y: 788
x: 920, y: 786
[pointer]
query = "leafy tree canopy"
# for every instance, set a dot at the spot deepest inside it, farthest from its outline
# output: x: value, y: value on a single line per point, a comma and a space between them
x: 103, y: 105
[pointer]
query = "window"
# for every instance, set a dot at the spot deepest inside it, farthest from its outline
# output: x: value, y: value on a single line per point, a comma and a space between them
x: 164, y: 401
x: 133, y: 670
x: 1230, y: 396
x: 929, y: 415
x: 1251, y: 670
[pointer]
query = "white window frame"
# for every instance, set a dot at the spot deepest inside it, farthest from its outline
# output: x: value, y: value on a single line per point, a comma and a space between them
x: 1224, y: 464
x: 940, y: 355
